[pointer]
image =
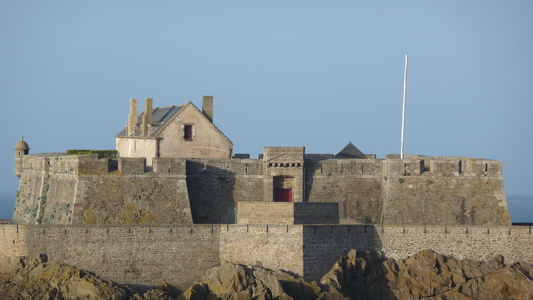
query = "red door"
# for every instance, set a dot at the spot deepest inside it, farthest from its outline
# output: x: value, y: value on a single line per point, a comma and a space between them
x: 283, y: 195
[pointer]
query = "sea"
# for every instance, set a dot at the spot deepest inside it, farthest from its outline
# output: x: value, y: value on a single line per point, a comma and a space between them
x: 520, y: 207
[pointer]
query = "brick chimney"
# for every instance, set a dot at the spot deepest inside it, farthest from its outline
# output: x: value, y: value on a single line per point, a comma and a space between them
x: 147, y: 117
x: 207, y: 107
x: 132, y: 118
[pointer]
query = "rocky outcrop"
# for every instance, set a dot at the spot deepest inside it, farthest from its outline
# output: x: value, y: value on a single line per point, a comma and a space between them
x: 36, y: 278
x: 427, y: 275
x: 365, y: 275
x: 235, y: 281
x: 358, y: 275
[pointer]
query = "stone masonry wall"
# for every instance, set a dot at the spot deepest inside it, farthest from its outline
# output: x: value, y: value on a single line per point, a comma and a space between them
x: 216, y: 185
x: 355, y: 184
x: 287, y: 213
x: 82, y: 189
x: 180, y: 254
x: 445, y: 193
x: 265, y: 213
x: 57, y: 189
x: 47, y: 189
x: 324, y: 244
x: 271, y: 246
x: 143, y: 255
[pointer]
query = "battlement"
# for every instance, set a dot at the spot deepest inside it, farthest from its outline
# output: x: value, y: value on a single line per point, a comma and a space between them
x: 411, y: 166
x: 343, y: 167
x: 83, y: 165
x: 233, y: 166
x: 443, y: 166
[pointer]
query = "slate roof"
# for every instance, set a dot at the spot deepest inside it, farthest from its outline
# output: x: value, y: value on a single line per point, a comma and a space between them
x: 350, y: 151
x: 160, y: 117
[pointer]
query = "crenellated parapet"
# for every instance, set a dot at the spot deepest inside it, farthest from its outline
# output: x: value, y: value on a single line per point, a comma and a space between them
x: 403, y: 167
x: 442, y: 166
x: 343, y: 167
x: 230, y: 167
x: 87, y: 165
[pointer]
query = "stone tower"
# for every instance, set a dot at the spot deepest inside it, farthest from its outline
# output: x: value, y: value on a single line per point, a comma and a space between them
x: 21, y: 149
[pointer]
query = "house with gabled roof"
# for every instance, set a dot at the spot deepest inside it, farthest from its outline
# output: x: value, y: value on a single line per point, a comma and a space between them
x: 173, y: 131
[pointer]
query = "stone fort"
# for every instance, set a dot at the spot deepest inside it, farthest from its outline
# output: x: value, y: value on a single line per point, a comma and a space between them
x: 176, y: 201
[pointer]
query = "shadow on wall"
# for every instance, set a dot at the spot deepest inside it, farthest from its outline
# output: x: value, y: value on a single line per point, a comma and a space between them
x: 358, y: 194
x: 323, y: 245
x: 311, y: 168
x: 211, y: 193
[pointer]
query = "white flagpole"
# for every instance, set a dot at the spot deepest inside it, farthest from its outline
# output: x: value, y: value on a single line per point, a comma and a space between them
x: 403, y: 110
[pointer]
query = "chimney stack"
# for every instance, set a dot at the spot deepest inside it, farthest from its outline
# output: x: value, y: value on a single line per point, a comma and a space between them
x: 147, y: 117
x: 207, y: 107
x: 132, y: 118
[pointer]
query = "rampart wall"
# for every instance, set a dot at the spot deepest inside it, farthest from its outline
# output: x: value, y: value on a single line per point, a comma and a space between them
x: 444, y: 191
x: 287, y: 213
x: 180, y: 254
x: 216, y: 185
x: 57, y: 189
x: 82, y: 189
x: 133, y: 255
x: 353, y: 183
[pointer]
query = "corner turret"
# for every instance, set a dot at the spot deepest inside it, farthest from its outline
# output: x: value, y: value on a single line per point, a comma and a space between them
x: 21, y: 149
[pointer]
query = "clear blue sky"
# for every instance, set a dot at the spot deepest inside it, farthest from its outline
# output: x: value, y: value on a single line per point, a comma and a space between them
x: 283, y: 73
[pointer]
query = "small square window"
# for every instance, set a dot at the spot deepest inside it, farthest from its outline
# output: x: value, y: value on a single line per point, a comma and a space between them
x: 187, y: 132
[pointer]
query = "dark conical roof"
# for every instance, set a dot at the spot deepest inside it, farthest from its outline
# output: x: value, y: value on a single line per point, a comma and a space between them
x: 350, y: 151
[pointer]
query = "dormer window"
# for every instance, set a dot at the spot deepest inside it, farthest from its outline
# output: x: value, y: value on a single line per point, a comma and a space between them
x: 187, y: 132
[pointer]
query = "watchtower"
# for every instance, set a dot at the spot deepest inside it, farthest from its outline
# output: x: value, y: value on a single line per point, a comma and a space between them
x: 21, y: 149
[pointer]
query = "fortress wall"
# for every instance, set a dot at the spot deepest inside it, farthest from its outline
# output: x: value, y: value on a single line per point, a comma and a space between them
x: 265, y: 213
x: 92, y: 165
x: 169, y: 166
x: 235, y: 166
x: 405, y: 166
x: 316, y: 213
x: 215, y: 186
x: 10, y: 245
x: 132, y: 165
x: 58, y: 197
x: 287, y: 213
x: 479, y: 242
x: 28, y: 197
x: 76, y: 189
x: 134, y: 255
x: 452, y: 199
x: 33, y: 188
x: 324, y: 244
x: 271, y: 246
x: 355, y: 184
x: 450, y: 190
x: 180, y: 255
x: 147, y: 199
